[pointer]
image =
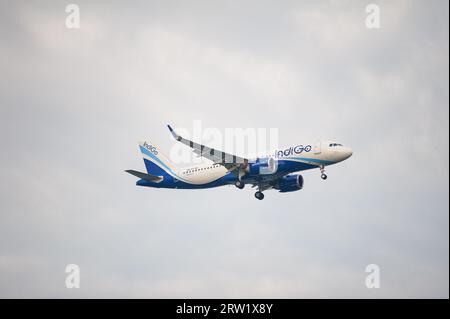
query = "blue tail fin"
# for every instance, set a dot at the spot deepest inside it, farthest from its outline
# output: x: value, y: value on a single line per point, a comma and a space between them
x: 155, y: 162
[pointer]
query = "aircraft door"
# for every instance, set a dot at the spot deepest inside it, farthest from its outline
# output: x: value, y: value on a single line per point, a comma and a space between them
x: 318, y: 147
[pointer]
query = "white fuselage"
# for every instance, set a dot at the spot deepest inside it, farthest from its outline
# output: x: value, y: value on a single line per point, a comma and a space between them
x: 321, y: 155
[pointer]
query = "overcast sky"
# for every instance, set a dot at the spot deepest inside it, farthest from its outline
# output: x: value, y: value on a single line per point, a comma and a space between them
x: 75, y: 102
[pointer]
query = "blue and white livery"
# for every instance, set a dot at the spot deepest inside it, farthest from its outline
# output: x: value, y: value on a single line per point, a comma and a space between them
x: 273, y: 171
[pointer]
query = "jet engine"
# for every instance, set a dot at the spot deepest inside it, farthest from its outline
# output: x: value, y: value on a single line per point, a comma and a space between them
x: 267, y: 165
x: 290, y: 183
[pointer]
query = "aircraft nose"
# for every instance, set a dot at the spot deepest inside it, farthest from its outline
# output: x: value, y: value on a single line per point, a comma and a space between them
x: 348, y: 152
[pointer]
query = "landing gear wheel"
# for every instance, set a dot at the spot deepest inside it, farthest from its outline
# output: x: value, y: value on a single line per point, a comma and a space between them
x: 322, y: 170
x: 239, y: 184
x: 259, y: 195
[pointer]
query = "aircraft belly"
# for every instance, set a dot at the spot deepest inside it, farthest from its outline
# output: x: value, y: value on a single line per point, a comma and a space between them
x: 203, y: 178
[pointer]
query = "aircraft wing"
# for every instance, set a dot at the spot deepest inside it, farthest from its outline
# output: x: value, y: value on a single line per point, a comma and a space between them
x: 147, y: 177
x: 229, y: 161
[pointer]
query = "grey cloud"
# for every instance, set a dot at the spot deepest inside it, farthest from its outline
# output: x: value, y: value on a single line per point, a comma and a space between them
x: 75, y: 102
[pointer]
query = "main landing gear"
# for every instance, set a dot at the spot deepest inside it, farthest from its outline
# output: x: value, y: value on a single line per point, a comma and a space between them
x: 322, y: 170
x: 259, y: 195
x: 239, y: 184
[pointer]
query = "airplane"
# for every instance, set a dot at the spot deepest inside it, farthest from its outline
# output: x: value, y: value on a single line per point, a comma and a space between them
x: 276, y: 170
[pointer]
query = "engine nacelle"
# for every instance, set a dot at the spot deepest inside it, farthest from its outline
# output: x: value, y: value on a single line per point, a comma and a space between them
x: 290, y: 183
x: 263, y: 166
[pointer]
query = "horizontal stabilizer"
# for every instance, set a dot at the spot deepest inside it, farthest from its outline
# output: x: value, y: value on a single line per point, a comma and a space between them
x: 147, y: 177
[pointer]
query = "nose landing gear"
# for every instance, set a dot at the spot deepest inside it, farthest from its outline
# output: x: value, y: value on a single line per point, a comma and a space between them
x: 323, y: 175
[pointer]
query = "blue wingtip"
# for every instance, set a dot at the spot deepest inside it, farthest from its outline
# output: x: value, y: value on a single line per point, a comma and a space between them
x: 170, y: 128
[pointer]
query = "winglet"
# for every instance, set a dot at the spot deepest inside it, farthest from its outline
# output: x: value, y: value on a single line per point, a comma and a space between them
x: 175, y: 135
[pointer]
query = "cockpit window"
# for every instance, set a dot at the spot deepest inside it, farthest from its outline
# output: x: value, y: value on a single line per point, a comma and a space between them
x: 335, y: 144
